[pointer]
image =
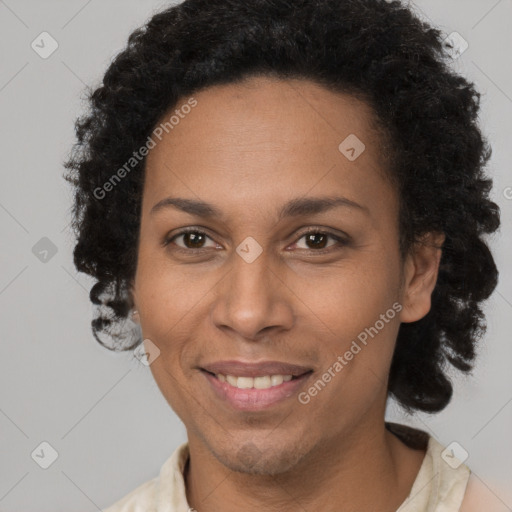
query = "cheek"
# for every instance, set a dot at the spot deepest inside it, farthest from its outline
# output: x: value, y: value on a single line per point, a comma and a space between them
x: 166, y: 294
x: 350, y: 297
x: 172, y: 385
x: 357, y: 311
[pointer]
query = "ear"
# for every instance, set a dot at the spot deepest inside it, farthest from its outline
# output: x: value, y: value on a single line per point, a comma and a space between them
x: 133, y: 299
x: 420, y: 276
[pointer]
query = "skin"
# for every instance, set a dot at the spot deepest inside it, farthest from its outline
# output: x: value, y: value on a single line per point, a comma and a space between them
x: 248, y: 148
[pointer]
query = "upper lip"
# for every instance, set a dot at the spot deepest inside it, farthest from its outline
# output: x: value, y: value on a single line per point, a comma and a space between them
x: 245, y: 369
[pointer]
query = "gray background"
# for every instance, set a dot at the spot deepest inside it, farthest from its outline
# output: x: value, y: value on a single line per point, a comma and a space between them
x: 102, y: 412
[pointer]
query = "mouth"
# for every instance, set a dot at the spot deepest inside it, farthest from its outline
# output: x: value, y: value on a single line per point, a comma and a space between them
x: 256, y: 392
x: 258, y: 382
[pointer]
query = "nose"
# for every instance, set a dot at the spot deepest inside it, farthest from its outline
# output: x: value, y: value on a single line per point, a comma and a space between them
x: 253, y: 299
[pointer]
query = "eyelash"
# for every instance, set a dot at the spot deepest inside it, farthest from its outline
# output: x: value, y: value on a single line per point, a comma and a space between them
x: 341, y: 241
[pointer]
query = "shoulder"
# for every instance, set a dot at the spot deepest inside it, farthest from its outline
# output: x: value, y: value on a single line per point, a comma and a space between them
x: 442, y: 478
x: 450, y: 475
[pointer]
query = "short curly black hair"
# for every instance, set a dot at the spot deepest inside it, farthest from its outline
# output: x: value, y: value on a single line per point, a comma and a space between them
x: 378, y: 51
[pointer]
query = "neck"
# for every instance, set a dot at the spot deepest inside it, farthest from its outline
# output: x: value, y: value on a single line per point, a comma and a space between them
x: 357, y: 472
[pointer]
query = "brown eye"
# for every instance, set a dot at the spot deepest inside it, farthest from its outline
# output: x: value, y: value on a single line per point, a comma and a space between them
x: 192, y: 239
x: 316, y: 241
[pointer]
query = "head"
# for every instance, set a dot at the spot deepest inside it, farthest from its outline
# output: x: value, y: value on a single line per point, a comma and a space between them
x: 334, y: 195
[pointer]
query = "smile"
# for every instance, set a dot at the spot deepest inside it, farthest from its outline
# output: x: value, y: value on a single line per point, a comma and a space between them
x: 254, y: 393
x: 264, y: 382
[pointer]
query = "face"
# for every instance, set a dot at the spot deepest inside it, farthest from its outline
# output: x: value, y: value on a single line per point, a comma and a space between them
x: 269, y: 273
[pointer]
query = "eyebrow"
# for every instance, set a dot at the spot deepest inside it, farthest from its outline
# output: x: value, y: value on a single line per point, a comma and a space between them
x: 294, y: 208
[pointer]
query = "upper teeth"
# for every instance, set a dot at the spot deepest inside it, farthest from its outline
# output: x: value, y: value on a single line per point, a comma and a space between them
x: 264, y: 382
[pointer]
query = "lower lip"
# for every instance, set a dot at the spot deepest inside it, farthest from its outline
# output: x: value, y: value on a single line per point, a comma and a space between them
x: 255, y: 399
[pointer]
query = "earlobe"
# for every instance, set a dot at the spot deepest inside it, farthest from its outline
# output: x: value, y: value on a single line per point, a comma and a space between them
x: 134, y: 310
x: 420, y: 277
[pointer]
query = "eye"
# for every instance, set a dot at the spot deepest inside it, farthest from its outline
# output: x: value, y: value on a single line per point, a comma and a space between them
x: 192, y: 238
x: 317, y: 240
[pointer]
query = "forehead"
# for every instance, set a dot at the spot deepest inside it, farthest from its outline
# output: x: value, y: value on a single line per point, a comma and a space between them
x: 267, y: 139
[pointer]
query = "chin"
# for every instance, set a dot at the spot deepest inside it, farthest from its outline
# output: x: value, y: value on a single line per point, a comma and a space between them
x: 261, y: 458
